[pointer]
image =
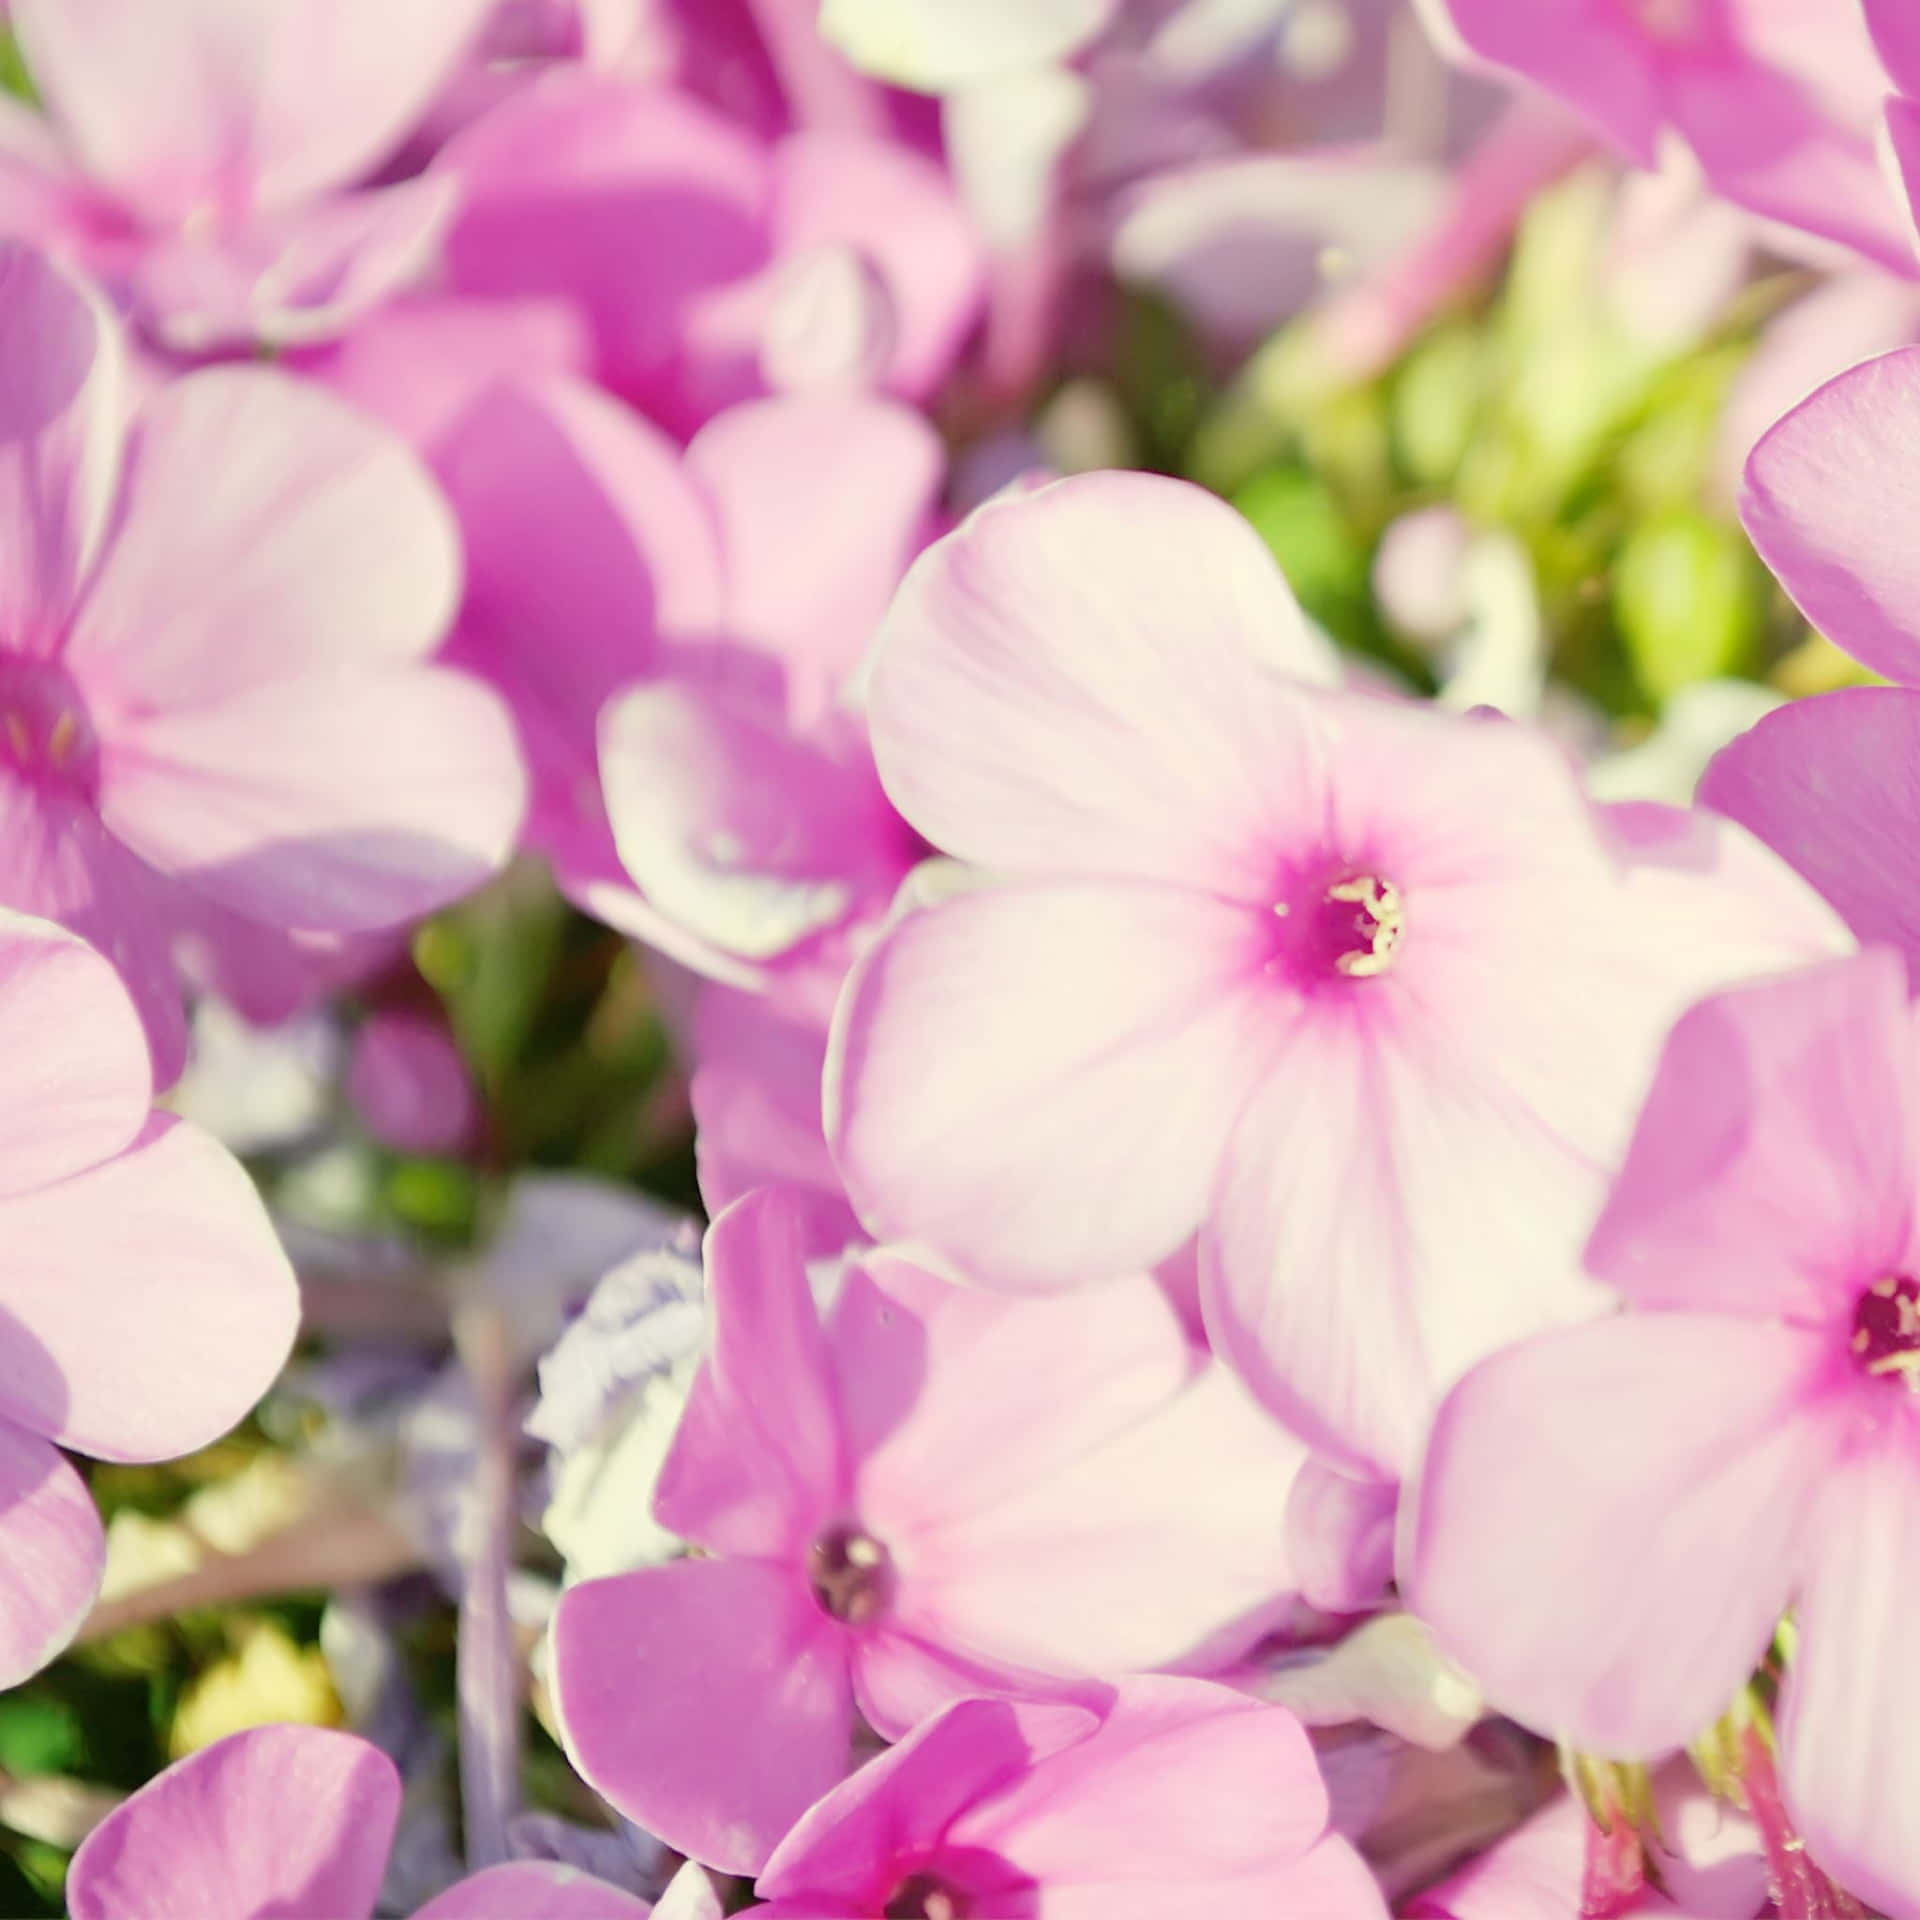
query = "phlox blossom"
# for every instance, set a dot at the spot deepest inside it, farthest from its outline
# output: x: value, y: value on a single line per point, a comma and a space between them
x: 205, y: 158
x: 296, y: 1820
x: 1370, y: 990
x: 145, y: 1304
x: 1613, y: 1518
x: 917, y: 1492
x: 677, y: 632
x: 1176, y: 1797
x: 216, y: 702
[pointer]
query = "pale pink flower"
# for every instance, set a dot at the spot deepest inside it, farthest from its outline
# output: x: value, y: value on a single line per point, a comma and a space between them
x: 204, y: 157
x: 1613, y: 1518
x: 711, y: 263
x: 676, y: 633
x: 1370, y: 990
x: 216, y: 705
x: 144, y: 1302
x: 1828, y: 783
x: 917, y: 1493
x: 295, y: 1820
x: 1778, y: 100
x: 1178, y: 1797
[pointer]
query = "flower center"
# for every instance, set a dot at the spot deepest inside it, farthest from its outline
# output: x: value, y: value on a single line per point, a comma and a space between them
x: 925, y: 1896
x: 852, y: 1576
x: 1886, y: 1331
x: 45, y: 732
x: 1351, y: 926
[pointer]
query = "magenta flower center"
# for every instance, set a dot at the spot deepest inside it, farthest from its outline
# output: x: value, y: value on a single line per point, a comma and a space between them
x: 1351, y: 927
x: 926, y: 1896
x: 852, y: 1576
x: 1886, y: 1330
x: 46, y: 735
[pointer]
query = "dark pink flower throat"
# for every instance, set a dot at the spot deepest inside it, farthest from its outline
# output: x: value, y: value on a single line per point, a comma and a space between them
x: 1347, y: 927
x: 1886, y: 1331
x: 46, y: 735
x: 852, y: 1576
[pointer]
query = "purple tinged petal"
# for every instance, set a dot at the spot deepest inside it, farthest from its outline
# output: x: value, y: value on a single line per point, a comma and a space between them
x: 759, y: 1462
x: 1849, y: 1761
x: 522, y: 1889
x: 1773, y: 1161
x: 77, y: 1078
x: 1828, y: 783
x: 52, y: 1549
x: 283, y: 1819
x: 1111, y: 1033
x: 1097, y: 678
x: 1831, y: 496
x: 148, y: 1301
x: 244, y: 488
x: 846, y: 1848
x: 60, y: 435
x: 312, y: 93
x: 810, y: 570
x: 329, y: 804
x: 707, y: 1699
x: 1607, y: 1527
x: 1896, y: 37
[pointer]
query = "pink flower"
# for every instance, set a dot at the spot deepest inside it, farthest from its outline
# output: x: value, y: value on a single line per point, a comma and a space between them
x: 293, y: 1820
x: 1613, y: 1518
x: 1778, y: 100
x: 710, y: 263
x: 201, y: 155
x: 1370, y: 990
x: 678, y: 632
x: 214, y: 629
x: 1829, y: 782
x: 144, y: 1302
x: 917, y: 1493
x: 410, y: 1086
x: 1179, y: 1798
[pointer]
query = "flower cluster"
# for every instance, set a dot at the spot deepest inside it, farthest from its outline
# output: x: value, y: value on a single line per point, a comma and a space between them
x: 1288, y: 955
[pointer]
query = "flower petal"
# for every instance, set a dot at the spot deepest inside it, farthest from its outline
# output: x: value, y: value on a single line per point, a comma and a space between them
x: 1606, y: 1530
x: 275, y: 1820
x: 311, y: 92
x: 1827, y: 784
x: 1773, y: 1162
x: 148, y: 1302
x: 758, y: 1463
x: 60, y: 438
x: 1109, y: 1035
x: 528, y: 1887
x: 77, y: 1077
x: 246, y: 493
x: 1093, y: 678
x: 328, y: 804
x: 53, y: 1551
x: 707, y: 1699
x: 1831, y: 495
x: 1850, y: 1767
x: 932, y: 45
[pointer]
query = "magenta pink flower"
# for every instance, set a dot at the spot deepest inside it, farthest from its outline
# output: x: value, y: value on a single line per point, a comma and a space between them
x: 145, y: 1304
x: 710, y: 263
x: 917, y: 1493
x: 1178, y: 1798
x: 1778, y: 100
x: 409, y: 1084
x: 1614, y: 1518
x: 677, y: 632
x: 298, y: 1821
x: 214, y: 633
x: 1829, y: 782
x: 202, y: 155
x: 1338, y: 976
